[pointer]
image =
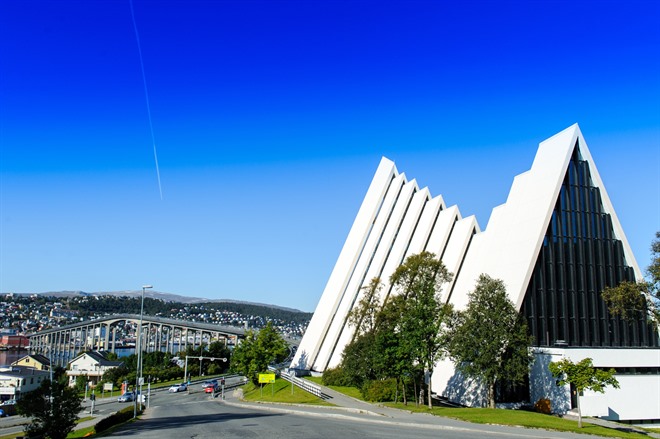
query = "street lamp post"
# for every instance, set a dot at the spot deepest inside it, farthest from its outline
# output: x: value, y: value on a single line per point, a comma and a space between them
x: 50, y: 369
x: 138, y: 372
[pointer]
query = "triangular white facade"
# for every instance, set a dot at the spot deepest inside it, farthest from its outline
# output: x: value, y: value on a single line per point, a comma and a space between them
x: 397, y: 219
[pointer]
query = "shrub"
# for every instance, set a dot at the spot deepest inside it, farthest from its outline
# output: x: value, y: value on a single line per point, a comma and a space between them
x: 380, y: 390
x: 335, y: 377
x: 117, y: 418
x: 544, y: 406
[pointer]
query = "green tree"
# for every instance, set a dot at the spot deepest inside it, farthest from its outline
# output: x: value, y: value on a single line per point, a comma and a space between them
x: 423, y: 315
x: 583, y: 376
x: 218, y: 350
x: 628, y: 299
x: 257, y: 350
x: 358, y: 360
x: 363, y: 315
x: 489, y: 338
x: 81, y: 383
x: 393, y: 355
x: 56, y: 419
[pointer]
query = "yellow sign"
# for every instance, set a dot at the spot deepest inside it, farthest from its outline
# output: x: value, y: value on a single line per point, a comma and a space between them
x: 266, y: 378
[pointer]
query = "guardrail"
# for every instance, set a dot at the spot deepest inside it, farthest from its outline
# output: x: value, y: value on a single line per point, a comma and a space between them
x: 304, y: 384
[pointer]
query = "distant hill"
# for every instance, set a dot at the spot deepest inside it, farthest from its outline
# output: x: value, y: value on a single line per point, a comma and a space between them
x: 166, y: 297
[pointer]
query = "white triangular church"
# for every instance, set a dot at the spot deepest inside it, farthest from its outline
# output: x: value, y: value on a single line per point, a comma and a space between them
x: 556, y: 243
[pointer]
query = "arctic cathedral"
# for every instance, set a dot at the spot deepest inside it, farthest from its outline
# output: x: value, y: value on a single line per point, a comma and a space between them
x: 556, y: 243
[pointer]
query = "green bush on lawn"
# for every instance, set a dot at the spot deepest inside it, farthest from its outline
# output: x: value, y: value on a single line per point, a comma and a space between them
x: 120, y: 417
x: 379, y: 390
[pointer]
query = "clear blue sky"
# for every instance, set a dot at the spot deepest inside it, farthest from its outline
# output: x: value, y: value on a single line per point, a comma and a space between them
x: 270, y: 118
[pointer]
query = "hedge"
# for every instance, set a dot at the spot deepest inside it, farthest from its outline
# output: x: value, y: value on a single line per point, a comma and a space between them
x: 123, y: 415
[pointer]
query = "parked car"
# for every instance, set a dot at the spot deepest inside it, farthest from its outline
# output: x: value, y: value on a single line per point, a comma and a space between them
x: 178, y: 388
x: 209, y: 383
x: 126, y: 397
x: 8, y: 408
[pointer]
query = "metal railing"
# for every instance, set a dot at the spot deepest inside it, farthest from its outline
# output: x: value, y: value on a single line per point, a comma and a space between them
x: 304, y: 384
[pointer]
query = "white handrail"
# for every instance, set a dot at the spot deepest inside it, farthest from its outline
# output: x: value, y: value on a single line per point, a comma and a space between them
x: 303, y: 384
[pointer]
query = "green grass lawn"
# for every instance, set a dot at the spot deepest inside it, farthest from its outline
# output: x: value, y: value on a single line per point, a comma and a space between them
x: 280, y: 391
x: 349, y: 391
x: 520, y: 418
x: 501, y: 417
x: 83, y: 432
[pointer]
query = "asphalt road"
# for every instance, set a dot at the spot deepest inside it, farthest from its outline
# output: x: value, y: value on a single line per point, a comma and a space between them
x: 102, y: 407
x: 198, y: 415
x: 192, y: 417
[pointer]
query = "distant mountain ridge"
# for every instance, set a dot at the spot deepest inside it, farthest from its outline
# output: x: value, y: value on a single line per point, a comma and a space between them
x: 167, y: 297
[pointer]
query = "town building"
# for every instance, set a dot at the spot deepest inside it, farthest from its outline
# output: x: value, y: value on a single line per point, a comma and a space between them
x: 92, y: 365
x: 12, y: 341
x: 35, y: 361
x: 556, y: 244
x: 16, y: 381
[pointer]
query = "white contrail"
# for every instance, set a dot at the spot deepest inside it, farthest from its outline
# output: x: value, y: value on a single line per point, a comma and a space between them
x: 146, y: 96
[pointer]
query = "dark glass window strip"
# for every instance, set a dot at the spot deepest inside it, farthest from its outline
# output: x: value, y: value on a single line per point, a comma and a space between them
x: 579, y: 258
x: 634, y: 370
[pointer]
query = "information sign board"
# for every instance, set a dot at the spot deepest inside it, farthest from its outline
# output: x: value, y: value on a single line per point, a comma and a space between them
x: 266, y: 378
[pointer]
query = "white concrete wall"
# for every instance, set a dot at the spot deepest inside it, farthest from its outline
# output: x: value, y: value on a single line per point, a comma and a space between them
x: 372, y: 265
x: 637, y: 398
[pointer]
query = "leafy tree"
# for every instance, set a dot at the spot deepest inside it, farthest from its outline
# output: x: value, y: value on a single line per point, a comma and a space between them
x: 489, y: 338
x: 363, y: 315
x: 257, y: 351
x: 628, y: 299
x: 56, y: 419
x: 583, y: 376
x: 112, y: 356
x: 393, y: 355
x: 217, y: 349
x: 156, y: 359
x: 423, y: 315
x: 358, y: 360
x: 653, y: 270
x: 154, y: 364
x: 81, y: 383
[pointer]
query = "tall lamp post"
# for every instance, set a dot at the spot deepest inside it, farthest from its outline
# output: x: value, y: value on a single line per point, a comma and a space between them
x: 138, y: 372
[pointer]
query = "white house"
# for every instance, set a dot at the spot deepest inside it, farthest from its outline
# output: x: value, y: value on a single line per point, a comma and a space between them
x: 15, y: 381
x: 90, y: 364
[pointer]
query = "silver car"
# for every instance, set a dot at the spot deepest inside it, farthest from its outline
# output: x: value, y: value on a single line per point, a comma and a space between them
x: 178, y: 388
x: 126, y: 397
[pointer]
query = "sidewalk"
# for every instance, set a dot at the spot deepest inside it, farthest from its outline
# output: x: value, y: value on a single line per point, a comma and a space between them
x: 614, y: 425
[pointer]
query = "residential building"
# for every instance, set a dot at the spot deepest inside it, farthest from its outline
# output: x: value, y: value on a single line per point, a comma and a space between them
x: 35, y: 361
x: 16, y: 381
x: 92, y: 365
x: 14, y: 341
